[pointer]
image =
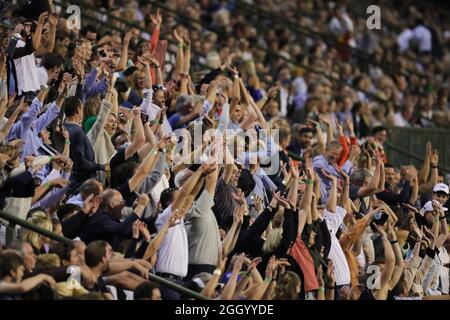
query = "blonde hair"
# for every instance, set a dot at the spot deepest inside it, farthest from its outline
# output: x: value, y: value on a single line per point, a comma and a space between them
x: 33, y: 237
x: 47, y: 260
x: 273, y: 240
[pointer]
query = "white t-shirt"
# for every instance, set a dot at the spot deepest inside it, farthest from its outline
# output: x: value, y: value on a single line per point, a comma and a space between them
x: 173, y: 254
x: 423, y: 35
x: 42, y: 75
x: 341, y: 268
x: 26, y: 71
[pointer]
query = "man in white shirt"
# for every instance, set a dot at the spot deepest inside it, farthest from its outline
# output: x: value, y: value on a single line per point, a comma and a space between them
x: 173, y: 254
x: 423, y: 35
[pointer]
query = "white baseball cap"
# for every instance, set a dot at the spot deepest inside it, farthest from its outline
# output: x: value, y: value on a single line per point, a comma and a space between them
x: 441, y: 187
x: 429, y: 207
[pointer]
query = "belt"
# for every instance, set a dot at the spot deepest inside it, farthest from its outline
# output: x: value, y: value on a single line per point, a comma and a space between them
x: 169, y: 276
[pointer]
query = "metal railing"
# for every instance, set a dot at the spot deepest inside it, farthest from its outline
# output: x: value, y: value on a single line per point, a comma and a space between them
x: 407, y: 146
x: 14, y: 221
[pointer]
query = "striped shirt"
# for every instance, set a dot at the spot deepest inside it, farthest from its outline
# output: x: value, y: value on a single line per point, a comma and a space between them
x: 341, y: 269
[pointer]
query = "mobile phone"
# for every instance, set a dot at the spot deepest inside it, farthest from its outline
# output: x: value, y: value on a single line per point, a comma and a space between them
x: 380, y: 218
x: 144, y: 117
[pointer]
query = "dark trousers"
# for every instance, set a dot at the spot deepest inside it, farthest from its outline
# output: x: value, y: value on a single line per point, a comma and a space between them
x: 167, y: 293
x: 194, y: 269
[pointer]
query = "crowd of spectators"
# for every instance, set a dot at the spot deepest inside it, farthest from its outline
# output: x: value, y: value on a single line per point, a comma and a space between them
x: 232, y: 155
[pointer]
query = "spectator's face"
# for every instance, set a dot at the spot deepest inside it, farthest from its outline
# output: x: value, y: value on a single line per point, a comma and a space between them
x: 235, y: 175
x: 45, y: 135
x: 236, y: 114
x: 91, y: 36
x: 156, y: 294
x: 389, y: 174
x: 440, y: 197
x: 305, y: 139
x: 116, y: 205
x: 18, y: 274
x: 332, y: 155
x: 159, y: 98
x: 381, y: 137
x: 285, y: 142
x: 140, y: 80
x: 29, y: 258
x: 111, y: 125
x: 74, y: 258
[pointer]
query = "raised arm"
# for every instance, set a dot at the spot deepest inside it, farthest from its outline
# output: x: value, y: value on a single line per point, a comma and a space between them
x: 146, y: 166
x: 37, y: 36
x: 306, y: 202
x: 332, y: 198
x: 138, y: 137
x: 425, y: 170
x: 122, y: 64
x: 389, y: 265
x: 48, y: 48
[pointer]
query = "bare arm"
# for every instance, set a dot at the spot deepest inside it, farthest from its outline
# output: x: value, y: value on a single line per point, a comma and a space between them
x: 138, y: 137
x: 425, y: 170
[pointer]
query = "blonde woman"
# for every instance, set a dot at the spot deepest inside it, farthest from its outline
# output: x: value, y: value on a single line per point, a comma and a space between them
x: 36, y: 240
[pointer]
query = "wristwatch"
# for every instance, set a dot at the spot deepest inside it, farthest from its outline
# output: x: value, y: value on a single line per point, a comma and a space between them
x: 44, y: 87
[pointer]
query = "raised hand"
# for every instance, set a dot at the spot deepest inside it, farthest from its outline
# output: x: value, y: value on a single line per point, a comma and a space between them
x: 258, y: 202
x: 53, y: 20
x: 156, y: 19
x: 328, y: 175
x: 340, y: 128
x: 143, y: 200
x: 350, y: 126
x: 238, y: 214
x: 273, y: 91
x: 42, y: 17
x: 380, y: 230
x: 177, y: 36
x: 428, y: 150
x: 239, y: 196
x: 59, y: 182
x: 434, y: 160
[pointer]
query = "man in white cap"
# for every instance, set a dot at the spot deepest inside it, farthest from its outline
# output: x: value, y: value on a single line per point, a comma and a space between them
x: 441, y: 193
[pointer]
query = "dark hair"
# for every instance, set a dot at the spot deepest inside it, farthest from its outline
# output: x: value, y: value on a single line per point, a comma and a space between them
x: 378, y: 129
x: 64, y: 210
x: 63, y: 250
x: 246, y: 182
x: 9, y: 261
x: 51, y: 60
x: 145, y: 290
x: 166, y: 197
x: 306, y: 130
x: 388, y: 165
x: 88, y: 28
x: 89, y: 187
x: 114, y: 137
x: 71, y: 105
x: 95, y: 252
